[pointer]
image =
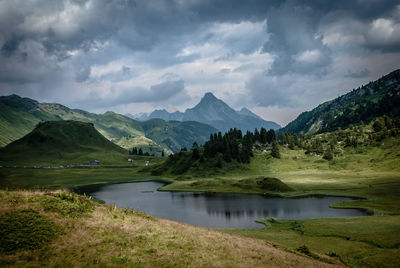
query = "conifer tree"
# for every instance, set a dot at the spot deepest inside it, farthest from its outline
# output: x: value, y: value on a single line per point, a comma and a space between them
x: 275, y: 150
x: 328, y: 154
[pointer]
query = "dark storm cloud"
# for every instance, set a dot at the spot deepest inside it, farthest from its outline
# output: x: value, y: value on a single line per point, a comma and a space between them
x: 44, y: 42
x: 296, y: 39
x: 306, y: 36
x: 10, y: 46
x: 140, y: 25
x: 293, y: 40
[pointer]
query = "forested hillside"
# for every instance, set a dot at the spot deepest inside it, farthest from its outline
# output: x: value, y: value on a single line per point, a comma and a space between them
x: 378, y: 98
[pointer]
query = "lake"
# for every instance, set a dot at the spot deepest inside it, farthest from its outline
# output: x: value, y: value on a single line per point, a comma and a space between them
x: 219, y: 210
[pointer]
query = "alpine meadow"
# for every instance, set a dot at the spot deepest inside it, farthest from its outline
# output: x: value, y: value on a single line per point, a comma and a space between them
x: 170, y: 133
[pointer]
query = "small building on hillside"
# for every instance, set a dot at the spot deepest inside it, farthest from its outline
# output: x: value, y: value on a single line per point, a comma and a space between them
x: 94, y: 163
x: 130, y: 160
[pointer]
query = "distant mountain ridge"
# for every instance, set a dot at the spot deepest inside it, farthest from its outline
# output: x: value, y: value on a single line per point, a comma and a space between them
x: 213, y: 111
x: 377, y: 98
x: 19, y: 116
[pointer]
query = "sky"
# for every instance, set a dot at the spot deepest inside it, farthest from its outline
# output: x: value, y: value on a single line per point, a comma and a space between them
x: 277, y: 58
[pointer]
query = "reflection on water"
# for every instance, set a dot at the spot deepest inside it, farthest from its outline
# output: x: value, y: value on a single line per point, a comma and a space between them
x: 215, y: 210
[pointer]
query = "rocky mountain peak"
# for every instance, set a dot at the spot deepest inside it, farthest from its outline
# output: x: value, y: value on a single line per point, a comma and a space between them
x: 208, y: 98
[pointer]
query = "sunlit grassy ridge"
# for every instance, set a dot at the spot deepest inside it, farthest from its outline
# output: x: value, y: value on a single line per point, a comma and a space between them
x: 92, y: 234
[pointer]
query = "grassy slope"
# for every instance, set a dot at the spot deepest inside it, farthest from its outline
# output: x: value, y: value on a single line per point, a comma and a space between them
x: 18, y: 117
x: 141, y: 142
x: 93, y: 234
x: 65, y: 142
x: 357, y: 242
x: 120, y: 129
x: 372, y: 173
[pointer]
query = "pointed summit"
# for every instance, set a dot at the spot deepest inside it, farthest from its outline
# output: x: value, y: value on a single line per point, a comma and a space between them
x: 209, y: 95
x: 208, y: 98
x: 215, y: 112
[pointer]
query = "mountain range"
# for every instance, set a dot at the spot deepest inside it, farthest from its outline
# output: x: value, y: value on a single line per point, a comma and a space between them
x: 213, y: 111
x: 365, y: 103
x: 19, y: 116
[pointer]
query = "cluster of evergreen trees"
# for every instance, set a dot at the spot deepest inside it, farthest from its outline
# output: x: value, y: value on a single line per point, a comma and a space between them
x: 220, y: 148
x: 233, y: 145
x: 136, y: 151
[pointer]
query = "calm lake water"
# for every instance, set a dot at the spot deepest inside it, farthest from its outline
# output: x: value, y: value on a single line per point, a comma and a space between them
x: 215, y: 210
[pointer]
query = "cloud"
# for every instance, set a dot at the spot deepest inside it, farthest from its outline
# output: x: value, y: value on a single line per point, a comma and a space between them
x: 10, y: 46
x: 358, y: 74
x: 268, y: 90
x: 295, y: 42
x: 156, y: 93
x: 164, y: 53
x: 384, y: 34
x: 83, y: 74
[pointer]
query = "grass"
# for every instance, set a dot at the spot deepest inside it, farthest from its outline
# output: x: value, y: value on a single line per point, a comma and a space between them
x: 263, y: 185
x: 108, y: 236
x: 29, y: 178
x: 25, y: 229
x: 141, y: 142
x: 357, y: 242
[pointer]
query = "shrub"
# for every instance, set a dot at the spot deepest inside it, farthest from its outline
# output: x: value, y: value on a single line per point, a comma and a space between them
x: 25, y: 230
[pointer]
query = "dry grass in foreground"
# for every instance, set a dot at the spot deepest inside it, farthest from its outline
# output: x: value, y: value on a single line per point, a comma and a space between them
x: 86, y: 233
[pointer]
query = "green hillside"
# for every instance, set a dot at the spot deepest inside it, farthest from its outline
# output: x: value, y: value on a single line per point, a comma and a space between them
x: 55, y: 141
x: 177, y: 135
x: 19, y: 116
x: 362, y: 104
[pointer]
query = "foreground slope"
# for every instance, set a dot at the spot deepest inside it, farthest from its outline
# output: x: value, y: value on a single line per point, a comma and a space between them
x: 53, y: 141
x: 381, y: 97
x: 85, y: 233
